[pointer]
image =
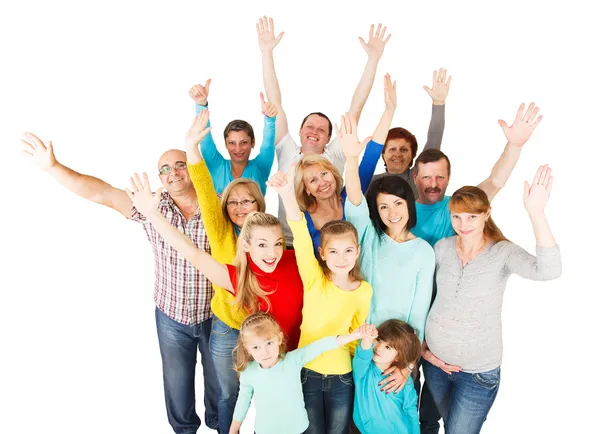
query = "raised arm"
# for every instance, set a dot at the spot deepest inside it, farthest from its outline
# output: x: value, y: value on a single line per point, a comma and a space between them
x: 265, y: 158
x: 265, y: 29
x: 86, y: 186
x: 438, y: 93
x: 146, y: 202
x: 516, y: 135
x: 352, y: 148
x: 374, y: 49
x: 210, y: 153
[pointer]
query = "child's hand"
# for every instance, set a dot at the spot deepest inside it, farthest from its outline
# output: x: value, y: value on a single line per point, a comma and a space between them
x: 367, y: 331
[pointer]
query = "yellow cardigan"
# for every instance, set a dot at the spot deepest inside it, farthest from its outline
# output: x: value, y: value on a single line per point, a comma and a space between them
x: 222, y: 238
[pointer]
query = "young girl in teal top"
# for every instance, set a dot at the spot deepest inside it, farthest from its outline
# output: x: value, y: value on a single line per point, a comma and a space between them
x: 393, y: 343
x: 273, y: 377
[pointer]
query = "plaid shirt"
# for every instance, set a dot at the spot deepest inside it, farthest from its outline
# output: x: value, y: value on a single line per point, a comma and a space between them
x: 180, y: 290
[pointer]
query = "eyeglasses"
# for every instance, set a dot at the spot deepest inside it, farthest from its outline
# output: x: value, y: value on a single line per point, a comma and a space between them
x: 245, y: 203
x: 165, y: 170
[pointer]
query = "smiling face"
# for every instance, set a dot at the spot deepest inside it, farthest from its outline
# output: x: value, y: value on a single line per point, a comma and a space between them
x: 340, y: 253
x: 432, y: 180
x: 265, y: 247
x: 175, y: 181
x: 397, y: 155
x: 314, y: 134
x: 239, y: 145
x: 263, y: 348
x: 469, y: 226
x: 319, y: 182
x: 393, y: 212
x: 240, y: 203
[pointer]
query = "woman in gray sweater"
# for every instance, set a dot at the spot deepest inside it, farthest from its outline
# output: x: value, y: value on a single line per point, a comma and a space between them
x: 463, y: 336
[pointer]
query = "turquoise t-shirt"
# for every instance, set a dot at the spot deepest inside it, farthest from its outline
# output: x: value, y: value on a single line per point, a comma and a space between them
x: 278, y: 391
x: 377, y: 412
x: 401, y: 274
x: 433, y: 221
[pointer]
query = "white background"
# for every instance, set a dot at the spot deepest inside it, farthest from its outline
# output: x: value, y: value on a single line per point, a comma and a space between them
x: 107, y: 82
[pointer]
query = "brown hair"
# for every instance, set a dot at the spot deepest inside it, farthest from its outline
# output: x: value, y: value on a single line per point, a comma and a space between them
x: 239, y: 125
x: 305, y: 200
x: 336, y: 228
x: 249, y: 292
x: 402, y: 133
x: 403, y: 338
x: 321, y: 115
x: 252, y: 188
x: 431, y: 156
x: 473, y: 200
x: 259, y: 323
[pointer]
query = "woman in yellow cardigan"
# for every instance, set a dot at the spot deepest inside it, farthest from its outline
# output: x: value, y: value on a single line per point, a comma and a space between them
x: 222, y: 222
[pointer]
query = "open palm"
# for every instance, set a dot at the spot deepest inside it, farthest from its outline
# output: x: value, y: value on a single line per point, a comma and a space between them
x: 523, y: 126
x: 376, y: 43
x: 536, y: 195
x: 265, y: 29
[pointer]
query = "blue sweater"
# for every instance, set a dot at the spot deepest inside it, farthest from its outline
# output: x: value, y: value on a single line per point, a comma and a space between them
x: 377, y: 412
x: 257, y: 169
x: 433, y: 221
x: 365, y: 173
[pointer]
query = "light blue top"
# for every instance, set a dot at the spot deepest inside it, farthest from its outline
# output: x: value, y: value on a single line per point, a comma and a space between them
x: 278, y: 391
x: 433, y: 221
x: 257, y: 169
x: 401, y: 274
x: 377, y: 412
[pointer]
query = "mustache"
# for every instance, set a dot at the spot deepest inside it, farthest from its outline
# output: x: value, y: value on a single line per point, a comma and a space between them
x: 433, y: 190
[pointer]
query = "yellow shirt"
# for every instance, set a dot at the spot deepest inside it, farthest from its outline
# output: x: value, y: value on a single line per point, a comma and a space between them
x: 222, y: 239
x: 328, y: 310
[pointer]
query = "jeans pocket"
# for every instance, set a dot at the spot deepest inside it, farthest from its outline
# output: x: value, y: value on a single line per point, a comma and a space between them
x: 219, y: 327
x: 347, y: 379
x: 489, y: 379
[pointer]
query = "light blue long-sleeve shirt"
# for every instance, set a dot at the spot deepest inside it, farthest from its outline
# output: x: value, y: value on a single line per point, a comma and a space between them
x: 376, y: 412
x: 401, y: 274
x: 278, y: 391
x: 258, y: 169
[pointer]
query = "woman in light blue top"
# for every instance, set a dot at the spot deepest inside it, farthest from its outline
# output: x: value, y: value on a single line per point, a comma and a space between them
x: 273, y: 377
x: 239, y: 141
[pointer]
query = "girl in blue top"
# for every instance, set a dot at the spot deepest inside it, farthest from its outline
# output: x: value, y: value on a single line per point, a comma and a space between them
x: 319, y: 185
x: 239, y: 141
x: 393, y: 343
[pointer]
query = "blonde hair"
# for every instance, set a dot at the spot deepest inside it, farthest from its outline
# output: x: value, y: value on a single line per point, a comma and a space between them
x: 261, y: 324
x: 337, y: 228
x: 403, y: 338
x: 305, y: 200
x: 249, y: 292
x: 253, y: 190
x: 473, y: 200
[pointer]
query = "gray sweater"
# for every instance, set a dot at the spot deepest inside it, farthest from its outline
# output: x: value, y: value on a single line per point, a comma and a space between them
x: 464, y: 326
x: 434, y: 141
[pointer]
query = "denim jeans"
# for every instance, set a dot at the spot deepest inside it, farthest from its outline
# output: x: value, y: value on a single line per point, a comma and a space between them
x: 463, y: 399
x: 328, y: 400
x: 179, y: 345
x: 223, y: 340
x: 429, y: 416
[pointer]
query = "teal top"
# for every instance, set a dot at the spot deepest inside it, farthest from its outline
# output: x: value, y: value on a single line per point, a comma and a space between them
x: 278, y: 391
x: 433, y: 221
x: 401, y: 274
x: 377, y: 412
x: 257, y: 170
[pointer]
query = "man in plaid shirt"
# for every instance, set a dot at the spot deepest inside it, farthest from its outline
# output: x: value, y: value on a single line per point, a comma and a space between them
x: 182, y: 294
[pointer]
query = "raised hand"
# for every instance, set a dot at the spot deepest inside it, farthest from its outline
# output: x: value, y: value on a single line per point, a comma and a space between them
x: 197, y: 130
x: 389, y: 93
x: 199, y: 93
x: 376, y: 44
x: 347, y: 137
x: 367, y: 331
x: 283, y: 182
x: 440, y: 87
x: 42, y: 153
x: 267, y: 108
x: 265, y: 29
x: 535, y: 197
x: 522, y: 128
x: 141, y: 195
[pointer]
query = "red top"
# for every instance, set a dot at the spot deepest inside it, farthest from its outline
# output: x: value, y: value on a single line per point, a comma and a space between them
x: 286, y: 297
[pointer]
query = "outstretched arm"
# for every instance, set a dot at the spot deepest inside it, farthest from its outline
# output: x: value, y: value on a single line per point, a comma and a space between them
x: 517, y: 135
x: 535, y: 198
x: 374, y: 49
x: 212, y: 156
x: 352, y: 148
x: 88, y: 187
x: 264, y: 160
x: 438, y: 93
x: 146, y: 202
x: 265, y: 29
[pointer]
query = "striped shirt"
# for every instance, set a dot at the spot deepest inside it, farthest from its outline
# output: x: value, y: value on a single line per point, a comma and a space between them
x: 180, y: 291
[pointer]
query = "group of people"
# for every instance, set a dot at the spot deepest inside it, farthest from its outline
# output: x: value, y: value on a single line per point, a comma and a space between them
x: 325, y: 314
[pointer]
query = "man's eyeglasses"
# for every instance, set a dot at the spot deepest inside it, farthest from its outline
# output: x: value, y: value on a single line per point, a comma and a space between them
x: 165, y: 170
x: 245, y: 203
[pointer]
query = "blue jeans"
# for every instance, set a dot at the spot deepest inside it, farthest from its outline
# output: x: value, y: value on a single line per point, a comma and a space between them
x: 179, y: 345
x: 328, y: 400
x: 223, y: 340
x: 463, y: 399
x: 428, y: 414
